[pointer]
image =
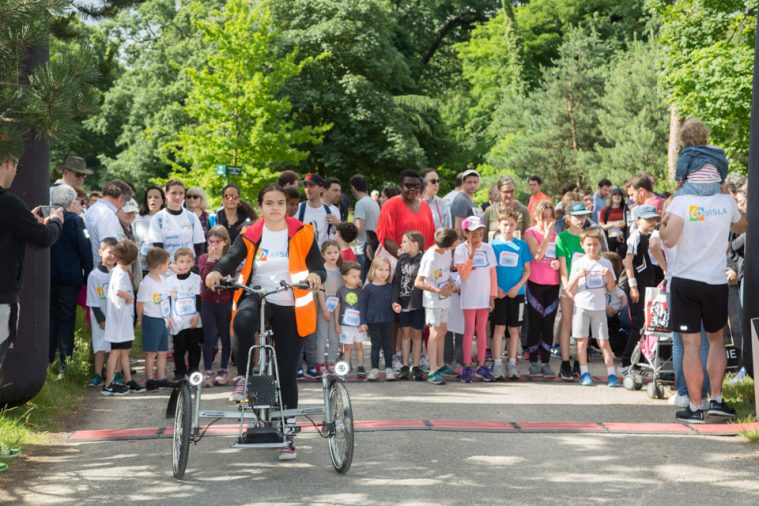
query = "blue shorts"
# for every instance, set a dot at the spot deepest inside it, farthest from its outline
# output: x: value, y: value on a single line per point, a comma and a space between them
x: 155, y: 335
x: 413, y: 319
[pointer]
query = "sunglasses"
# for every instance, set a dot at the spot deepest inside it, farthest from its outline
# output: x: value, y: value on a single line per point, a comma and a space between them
x: 231, y: 197
x: 193, y: 196
x: 79, y: 175
x: 434, y: 181
x: 412, y: 186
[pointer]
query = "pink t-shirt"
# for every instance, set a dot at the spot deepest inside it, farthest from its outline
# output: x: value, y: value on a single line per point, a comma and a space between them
x: 396, y: 218
x: 540, y: 270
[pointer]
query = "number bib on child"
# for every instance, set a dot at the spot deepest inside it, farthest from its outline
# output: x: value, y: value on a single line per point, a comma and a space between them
x: 332, y: 303
x: 594, y: 279
x: 352, y: 317
x: 508, y: 259
x: 166, y: 308
x: 480, y: 259
x: 185, y: 306
x: 551, y: 250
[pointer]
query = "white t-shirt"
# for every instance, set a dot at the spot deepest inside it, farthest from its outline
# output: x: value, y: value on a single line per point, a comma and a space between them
x: 155, y: 297
x: 368, y: 210
x: 97, y: 294
x: 102, y: 223
x: 175, y: 231
x: 436, y: 269
x: 141, y: 230
x: 272, y: 265
x: 590, y: 293
x: 119, y: 315
x: 455, y: 313
x: 475, y: 290
x: 183, y: 294
x: 317, y: 216
x: 702, y: 248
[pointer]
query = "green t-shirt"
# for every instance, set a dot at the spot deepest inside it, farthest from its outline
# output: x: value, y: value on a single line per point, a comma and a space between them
x: 567, y: 244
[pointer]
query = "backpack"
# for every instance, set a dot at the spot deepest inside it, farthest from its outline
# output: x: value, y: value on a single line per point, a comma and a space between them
x: 302, y: 214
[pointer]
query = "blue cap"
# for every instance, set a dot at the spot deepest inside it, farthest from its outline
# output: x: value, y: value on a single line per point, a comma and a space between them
x: 645, y: 212
x: 577, y: 209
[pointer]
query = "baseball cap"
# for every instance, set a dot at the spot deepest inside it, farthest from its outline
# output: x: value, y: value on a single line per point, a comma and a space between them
x: 577, y: 209
x: 645, y: 212
x: 130, y: 207
x: 469, y: 172
x: 472, y: 223
x: 312, y: 178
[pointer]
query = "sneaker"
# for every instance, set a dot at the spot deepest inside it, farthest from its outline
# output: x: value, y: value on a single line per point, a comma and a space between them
x: 512, y: 372
x: 114, y: 389
x: 435, y: 378
x: 221, y: 378
x: 207, y: 379
x: 96, y: 381
x: 498, y: 371
x: 389, y: 374
x: 403, y: 374
x: 360, y: 371
x: 565, y: 372
x: 547, y: 371
x: 448, y: 371
x: 625, y: 371
x: 576, y: 369
x: 586, y: 380
x: 165, y: 383
x: 135, y: 387
x: 238, y: 394
x: 3, y: 467
x: 417, y: 373
x: 613, y: 382
x: 466, y: 375
x: 118, y: 378
x: 9, y: 452
x: 151, y: 385
x: 681, y: 401
x: 288, y: 453
x: 397, y: 364
x: 373, y: 375
x: 689, y: 416
x: 739, y: 376
x: 483, y: 373
x: 424, y: 363
x: 312, y: 373
x: 721, y: 409
x: 535, y: 371
x: 556, y: 350
x: 300, y: 374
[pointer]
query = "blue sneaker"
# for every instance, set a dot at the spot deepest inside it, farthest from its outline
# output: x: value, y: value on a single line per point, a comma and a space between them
x: 613, y: 381
x: 96, y: 381
x: 300, y: 374
x: 118, y: 378
x: 466, y: 375
x: 484, y: 373
x: 586, y: 380
x: 312, y: 373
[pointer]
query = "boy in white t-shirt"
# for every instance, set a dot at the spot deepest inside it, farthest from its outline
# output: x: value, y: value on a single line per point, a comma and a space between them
x: 184, y: 322
x: 590, y: 279
x: 434, y: 277
x: 97, y: 293
x: 153, y: 312
x: 119, y: 329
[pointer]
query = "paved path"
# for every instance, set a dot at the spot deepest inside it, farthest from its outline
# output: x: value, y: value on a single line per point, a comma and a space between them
x: 412, y: 466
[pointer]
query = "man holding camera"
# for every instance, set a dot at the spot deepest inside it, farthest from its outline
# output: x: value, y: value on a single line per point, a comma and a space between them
x: 17, y: 227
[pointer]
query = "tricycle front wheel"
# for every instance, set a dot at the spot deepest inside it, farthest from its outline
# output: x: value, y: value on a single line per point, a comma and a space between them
x: 182, y: 431
x: 341, y: 439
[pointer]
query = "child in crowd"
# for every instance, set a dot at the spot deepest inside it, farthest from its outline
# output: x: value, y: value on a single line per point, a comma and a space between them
x: 617, y: 313
x: 327, y: 338
x: 293, y: 200
x: 407, y: 302
x: 642, y: 272
x: 119, y: 320
x: 97, y: 295
x: 475, y: 262
x: 184, y: 287
x: 215, y: 309
x: 568, y: 248
x: 346, y: 233
x: 590, y: 279
x: 153, y: 311
x: 377, y: 314
x: 542, y: 289
x: 513, y: 260
x: 453, y: 356
x: 347, y: 316
x: 435, y: 279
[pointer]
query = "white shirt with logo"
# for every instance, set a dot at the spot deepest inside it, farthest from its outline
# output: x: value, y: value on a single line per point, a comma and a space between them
x: 119, y: 315
x: 155, y: 297
x: 590, y: 293
x: 702, y: 248
x: 97, y: 294
x: 272, y: 265
x: 183, y: 293
x: 102, y: 223
x: 175, y: 231
x: 436, y: 269
x: 475, y: 290
x: 317, y: 216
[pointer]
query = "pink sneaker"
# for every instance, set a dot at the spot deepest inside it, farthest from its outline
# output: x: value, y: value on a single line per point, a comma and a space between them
x: 207, y: 379
x: 288, y: 453
x: 238, y: 394
x: 221, y: 377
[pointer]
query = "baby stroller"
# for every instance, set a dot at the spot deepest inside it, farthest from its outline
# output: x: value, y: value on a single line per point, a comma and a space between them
x: 652, y: 357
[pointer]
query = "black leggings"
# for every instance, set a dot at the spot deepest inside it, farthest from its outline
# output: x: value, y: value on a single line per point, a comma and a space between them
x: 637, y: 321
x: 542, y: 305
x: 288, y: 345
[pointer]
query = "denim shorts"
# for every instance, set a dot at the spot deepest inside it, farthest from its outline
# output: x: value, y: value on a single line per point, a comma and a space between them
x: 155, y: 335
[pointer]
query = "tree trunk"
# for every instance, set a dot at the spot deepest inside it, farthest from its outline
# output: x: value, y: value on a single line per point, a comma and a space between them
x: 673, y: 150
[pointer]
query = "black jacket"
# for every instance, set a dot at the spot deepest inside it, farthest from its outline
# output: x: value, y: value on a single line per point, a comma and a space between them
x: 71, y: 255
x: 17, y: 227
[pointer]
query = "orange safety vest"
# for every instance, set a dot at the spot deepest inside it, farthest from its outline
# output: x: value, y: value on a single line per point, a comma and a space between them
x: 300, y: 239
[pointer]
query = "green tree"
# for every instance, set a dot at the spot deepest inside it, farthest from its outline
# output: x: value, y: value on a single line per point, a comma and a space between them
x: 239, y: 116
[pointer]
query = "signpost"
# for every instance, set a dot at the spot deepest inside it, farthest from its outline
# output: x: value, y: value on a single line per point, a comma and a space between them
x: 225, y: 170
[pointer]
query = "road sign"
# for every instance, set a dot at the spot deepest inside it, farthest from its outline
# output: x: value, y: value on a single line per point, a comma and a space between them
x: 221, y: 169
x: 228, y: 170
x: 234, y: 170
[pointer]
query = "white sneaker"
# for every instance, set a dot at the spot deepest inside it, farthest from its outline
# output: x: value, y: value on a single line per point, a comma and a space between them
x: 373, y: 375
x: 498, y: 370
x: 424, y: 363
x: 511, y: 371
x: 238, y: 394
x: 389, y: 374
x: 681, y: 401
x: 397, y: 364
x: 288, y: 453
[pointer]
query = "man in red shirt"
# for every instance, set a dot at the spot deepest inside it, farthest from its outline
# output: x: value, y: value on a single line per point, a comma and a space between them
x: 536, y: 195
x: 642, y: 192
x: 403, y: 213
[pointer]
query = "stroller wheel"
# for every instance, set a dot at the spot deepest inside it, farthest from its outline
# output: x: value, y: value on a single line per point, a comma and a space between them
x: 659, y: 390
x: 629, y: 382
x: 651, y: 391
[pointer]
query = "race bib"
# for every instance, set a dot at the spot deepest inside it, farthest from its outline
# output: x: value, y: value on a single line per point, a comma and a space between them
x: 508, y: 259
x: 352, y: 317
x: 332, y: 303
x: 165, y: 308
x: 551, y: 250
x: 185, y: 306
x: 480, y: 259
x: 594, y: 280
x: 440, y: 285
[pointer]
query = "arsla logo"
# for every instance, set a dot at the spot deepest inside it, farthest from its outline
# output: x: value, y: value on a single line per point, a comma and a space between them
x: 700, y: 214
x: 263, y: 255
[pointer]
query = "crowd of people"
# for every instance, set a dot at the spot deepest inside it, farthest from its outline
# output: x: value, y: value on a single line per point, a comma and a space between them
x: 440, y: 288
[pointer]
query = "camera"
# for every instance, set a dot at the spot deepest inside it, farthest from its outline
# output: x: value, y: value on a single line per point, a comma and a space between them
x: 46, y: 210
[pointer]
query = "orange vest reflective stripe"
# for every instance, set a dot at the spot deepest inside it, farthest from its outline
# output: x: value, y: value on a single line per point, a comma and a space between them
x: 300, y: 239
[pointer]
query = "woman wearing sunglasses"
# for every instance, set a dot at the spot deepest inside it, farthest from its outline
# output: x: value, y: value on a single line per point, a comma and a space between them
x: 441, y: 215
x: 235, y: 213
x: 404, y: 213
x: 197, y: 202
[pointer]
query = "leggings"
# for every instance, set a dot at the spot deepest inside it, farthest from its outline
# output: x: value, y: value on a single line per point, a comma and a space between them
x: 475, y: 318
x: 381, y: 335
x: 542, y: 305
x: 287, y: 343
x: 215, y: 318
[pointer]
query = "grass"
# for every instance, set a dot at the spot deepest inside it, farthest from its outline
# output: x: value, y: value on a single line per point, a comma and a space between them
x: 740, y: 395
